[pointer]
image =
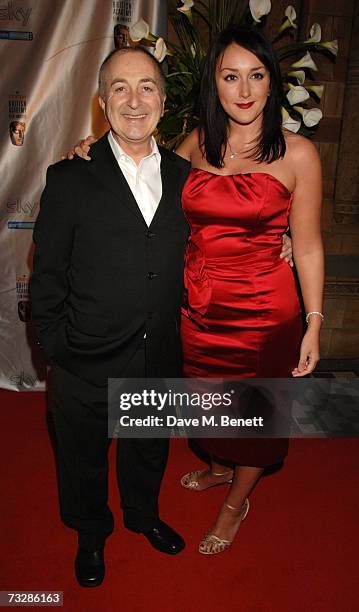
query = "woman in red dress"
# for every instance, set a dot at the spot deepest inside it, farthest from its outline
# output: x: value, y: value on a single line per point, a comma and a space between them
x: 241, y: 315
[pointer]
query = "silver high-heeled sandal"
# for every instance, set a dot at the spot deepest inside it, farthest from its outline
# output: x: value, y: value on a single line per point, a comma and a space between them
x: 212, y: 544
x: 191, y: 480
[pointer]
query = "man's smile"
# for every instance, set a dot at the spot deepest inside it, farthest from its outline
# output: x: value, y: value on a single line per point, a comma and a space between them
x: 134, y: 117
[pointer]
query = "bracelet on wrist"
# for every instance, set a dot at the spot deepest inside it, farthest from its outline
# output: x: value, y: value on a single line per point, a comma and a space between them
x: 314, y: 312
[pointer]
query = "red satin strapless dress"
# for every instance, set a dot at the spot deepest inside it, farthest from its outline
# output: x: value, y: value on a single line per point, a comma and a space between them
x: 241, y: 315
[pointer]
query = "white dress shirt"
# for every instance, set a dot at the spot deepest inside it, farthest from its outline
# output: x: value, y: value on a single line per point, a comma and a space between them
x: 143, y: 179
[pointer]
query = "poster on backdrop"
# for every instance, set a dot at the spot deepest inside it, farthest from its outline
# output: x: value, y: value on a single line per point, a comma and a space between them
x: 50, y: 54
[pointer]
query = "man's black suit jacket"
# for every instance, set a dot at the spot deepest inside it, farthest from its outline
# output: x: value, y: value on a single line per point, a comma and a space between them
x: 102, y: 278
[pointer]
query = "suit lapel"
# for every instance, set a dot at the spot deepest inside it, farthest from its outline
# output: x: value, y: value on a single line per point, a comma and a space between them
x: 106, y: 169
x: 169, y: 176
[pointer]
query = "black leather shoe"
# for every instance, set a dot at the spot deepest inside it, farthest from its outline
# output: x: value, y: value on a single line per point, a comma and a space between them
x: 164, y: 538
x: 89, y: 567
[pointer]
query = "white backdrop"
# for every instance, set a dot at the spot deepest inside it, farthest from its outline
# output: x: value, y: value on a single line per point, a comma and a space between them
x: 50, y: 52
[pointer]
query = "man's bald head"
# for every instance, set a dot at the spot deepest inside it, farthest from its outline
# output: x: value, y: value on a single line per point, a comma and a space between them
x: 138, y: 50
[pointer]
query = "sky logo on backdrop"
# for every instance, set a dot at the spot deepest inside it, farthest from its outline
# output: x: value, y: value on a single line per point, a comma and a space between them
x: 11, y: 12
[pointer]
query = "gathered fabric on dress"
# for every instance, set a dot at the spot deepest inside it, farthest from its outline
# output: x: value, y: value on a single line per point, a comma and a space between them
x: 241, y: 315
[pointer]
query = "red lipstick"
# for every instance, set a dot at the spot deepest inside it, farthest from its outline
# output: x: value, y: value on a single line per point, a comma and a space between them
x: 247, y: 105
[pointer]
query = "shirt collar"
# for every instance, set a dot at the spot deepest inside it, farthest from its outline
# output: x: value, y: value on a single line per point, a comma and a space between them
x: 120, y: 154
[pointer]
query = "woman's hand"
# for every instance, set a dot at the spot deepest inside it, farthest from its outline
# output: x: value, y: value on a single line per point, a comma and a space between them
x: 81, y: 149
x: 287, y: 252
x: 309, y: 353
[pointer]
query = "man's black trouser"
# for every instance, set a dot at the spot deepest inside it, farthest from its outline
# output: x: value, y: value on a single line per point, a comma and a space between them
x: 80, y: 419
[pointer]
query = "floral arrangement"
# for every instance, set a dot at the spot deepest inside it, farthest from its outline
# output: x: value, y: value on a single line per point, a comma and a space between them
x: 185, y: 58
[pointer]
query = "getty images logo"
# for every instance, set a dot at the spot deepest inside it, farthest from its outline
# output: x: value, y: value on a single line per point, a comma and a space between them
x: 9, y: 12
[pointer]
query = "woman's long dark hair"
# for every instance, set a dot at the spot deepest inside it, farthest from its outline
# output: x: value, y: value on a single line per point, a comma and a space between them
x: 213, y: 119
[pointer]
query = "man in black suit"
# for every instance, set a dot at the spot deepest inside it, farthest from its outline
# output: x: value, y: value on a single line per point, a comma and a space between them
x: 106, y: 293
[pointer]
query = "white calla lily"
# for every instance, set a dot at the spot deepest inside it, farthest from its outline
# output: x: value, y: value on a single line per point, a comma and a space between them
x: 316, y: 89
x: 296, y: 94
x: 332, y: 46
x: 305, y: 62
x: 288, y: 122
x: 298, y: 74
x: 139, y: 30
x: 187, y: 5
x: 315, y: 34
x: 311, y: 116
x: 160, y: 51
x: 291, y: 15
x: 259, y: 8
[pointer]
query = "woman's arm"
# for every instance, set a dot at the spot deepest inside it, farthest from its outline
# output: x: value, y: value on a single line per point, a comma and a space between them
x: 307, y: 245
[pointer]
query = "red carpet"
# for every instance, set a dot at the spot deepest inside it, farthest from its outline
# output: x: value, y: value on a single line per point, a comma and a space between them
x: 297, y: 550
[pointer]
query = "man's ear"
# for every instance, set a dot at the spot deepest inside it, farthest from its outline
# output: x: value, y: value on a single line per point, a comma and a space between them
x: 102, y: 103
x: 163, y: 106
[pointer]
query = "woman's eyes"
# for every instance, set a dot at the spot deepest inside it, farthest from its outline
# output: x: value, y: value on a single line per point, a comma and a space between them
x: 256, y: 76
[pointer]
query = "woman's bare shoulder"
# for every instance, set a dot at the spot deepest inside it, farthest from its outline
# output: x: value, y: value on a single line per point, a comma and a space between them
x: 189, y: 146
x: 299, y: 147
x: 302, y: 157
